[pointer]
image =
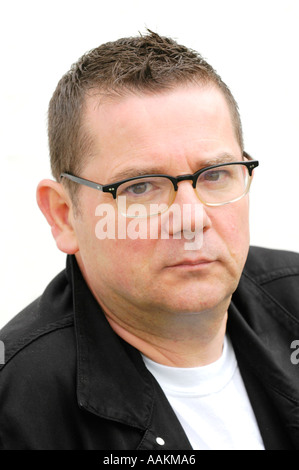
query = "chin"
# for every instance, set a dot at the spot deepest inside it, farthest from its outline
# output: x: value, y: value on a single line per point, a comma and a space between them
x: 199, y: 301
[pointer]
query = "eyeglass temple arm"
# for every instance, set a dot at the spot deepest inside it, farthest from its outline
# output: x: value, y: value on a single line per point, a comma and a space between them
x: 76, y: 179
x: 106, y: 188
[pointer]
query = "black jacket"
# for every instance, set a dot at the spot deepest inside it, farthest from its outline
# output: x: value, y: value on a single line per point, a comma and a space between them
x: 69, y: 382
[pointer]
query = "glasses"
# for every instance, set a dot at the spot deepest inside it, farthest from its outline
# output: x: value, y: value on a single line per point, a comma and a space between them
x: 214, y: 185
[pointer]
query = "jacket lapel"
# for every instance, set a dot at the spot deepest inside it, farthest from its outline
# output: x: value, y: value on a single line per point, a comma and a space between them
x: 106, y: 364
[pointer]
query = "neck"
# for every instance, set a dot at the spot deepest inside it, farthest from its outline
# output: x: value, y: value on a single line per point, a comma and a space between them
x: 190, y: 341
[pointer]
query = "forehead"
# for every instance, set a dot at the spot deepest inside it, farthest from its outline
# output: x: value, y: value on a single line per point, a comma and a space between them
x: 169, y: 128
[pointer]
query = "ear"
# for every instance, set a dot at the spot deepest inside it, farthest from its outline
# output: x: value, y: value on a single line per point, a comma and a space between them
x: 56, y: 206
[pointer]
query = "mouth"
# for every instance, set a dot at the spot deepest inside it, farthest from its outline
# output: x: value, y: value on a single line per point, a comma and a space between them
x: 192, y: 264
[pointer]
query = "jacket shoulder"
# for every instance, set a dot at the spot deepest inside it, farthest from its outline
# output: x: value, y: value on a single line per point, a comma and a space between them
x: 266, y: 265
x: 39, y: 369
x: 275, y: 275
x: 48, y: 313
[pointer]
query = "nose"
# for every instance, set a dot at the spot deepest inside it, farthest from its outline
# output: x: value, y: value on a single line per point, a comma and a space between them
x: 189, y: 214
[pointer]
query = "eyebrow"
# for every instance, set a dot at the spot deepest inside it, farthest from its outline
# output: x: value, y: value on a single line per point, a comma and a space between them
x: 132, y: 172
x: 224, y: 158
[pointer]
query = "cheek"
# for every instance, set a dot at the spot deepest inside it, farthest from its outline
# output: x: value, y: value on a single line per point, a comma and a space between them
x: 121, y: 262
x: 122, y: 268
x: 117, y: 242
x: 232, y: 228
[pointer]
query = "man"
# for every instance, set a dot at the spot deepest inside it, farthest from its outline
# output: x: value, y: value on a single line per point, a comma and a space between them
x: 146, y: 341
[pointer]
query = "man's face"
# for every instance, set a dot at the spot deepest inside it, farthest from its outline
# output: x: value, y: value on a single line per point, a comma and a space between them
x: 173, y: 133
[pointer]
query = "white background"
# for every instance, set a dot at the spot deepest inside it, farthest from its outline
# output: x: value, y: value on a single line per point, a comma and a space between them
x: 253, y: 44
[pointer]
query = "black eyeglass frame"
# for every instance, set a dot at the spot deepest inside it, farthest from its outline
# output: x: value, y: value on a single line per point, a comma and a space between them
x: 112, y: 188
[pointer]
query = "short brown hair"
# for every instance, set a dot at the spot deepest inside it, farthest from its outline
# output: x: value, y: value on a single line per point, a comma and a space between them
x: 145, y: 64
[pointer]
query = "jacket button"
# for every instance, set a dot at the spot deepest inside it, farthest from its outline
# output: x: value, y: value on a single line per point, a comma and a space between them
x: 160, y: 441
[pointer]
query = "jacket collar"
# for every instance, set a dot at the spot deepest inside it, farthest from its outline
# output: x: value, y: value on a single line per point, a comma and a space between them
x: 106, y: 364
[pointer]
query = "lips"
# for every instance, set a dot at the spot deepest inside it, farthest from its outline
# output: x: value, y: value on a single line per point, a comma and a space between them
x: 191, y: 262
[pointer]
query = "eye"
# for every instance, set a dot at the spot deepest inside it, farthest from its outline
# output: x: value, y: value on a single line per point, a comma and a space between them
x: 139, y: 188
x: 215, y: 176
x: 149, y: 189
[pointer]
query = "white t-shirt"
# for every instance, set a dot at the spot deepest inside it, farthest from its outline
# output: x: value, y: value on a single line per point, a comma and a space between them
x: 211, y: 403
